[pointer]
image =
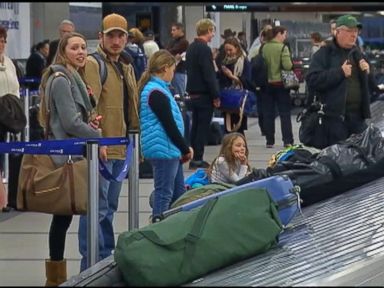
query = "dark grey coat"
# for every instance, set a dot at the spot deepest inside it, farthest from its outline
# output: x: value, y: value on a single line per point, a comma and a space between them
x: 69, y: 111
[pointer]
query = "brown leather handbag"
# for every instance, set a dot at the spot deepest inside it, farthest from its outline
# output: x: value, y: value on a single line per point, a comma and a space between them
x: 43, y: 187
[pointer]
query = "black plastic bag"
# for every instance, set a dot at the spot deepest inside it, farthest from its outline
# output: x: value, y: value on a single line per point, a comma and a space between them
x: 358, y: 160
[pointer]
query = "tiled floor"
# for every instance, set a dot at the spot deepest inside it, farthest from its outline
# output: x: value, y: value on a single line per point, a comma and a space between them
x: 24, y: 235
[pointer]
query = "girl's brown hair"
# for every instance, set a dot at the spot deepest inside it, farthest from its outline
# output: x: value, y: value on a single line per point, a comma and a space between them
x: 226, y: 151
x: 158, y: 61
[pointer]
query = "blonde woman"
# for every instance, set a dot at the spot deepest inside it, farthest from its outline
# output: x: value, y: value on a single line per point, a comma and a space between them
x: 162, y: 128
x: 70, y: 117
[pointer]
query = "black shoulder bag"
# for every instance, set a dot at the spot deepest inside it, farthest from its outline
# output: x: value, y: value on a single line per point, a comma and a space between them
x: 320, y: 128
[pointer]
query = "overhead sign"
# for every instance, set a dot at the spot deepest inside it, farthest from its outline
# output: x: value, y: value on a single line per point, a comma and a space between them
x: 227, y: 8
x: 15, y: 17
x: 295, y: 7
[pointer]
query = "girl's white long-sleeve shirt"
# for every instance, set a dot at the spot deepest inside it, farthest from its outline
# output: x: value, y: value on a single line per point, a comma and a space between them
x: 222, y: 174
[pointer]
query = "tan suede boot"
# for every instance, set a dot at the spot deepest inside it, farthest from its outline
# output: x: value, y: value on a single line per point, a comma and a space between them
x: 56, y: 272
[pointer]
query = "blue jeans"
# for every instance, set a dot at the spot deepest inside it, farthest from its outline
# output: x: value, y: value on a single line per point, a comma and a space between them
x: 169, y: 183
x: 178, y: 83
x: 109, y: 193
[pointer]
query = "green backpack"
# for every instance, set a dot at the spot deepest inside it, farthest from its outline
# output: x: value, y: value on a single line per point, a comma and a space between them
x: 188, y: 245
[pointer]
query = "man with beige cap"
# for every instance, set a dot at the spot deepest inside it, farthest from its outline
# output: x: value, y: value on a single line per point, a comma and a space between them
x: 117, y: 102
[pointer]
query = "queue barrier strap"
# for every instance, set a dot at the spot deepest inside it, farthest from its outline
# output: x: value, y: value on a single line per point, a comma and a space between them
x: 74, y: 146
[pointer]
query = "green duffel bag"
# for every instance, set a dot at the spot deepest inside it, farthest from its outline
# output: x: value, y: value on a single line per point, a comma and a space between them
x: 200, y: 192
x: 188, y: 245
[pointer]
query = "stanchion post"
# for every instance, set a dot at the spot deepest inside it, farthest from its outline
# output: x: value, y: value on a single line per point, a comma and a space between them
x: 133, y: 184
x: 6, y: 160
x: 26, y: 112
x: 93, y: 202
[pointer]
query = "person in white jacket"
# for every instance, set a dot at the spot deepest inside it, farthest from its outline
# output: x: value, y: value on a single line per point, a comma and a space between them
x: 9, y: 84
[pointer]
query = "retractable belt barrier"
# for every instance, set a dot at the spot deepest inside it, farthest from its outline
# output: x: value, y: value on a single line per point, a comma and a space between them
x: 29, y: 80
x: 88, y: 147
x: 74, y: 146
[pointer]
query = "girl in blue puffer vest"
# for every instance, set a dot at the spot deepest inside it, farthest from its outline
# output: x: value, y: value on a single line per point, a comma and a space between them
x: 162, y: 128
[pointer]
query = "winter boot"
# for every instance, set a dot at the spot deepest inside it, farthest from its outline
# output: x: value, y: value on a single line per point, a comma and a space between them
x: 56, y: 272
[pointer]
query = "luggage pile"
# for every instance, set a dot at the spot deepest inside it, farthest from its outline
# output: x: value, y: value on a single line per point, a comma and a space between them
x: 215, y: 225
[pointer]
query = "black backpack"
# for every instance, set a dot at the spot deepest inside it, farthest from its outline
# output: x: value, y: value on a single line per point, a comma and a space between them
x: 12, y: 116
x: 139, y: 60
x: 259, y: 70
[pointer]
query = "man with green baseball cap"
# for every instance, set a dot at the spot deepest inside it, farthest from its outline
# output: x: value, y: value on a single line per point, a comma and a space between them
x: 338, y: 74
x: 348, y: 21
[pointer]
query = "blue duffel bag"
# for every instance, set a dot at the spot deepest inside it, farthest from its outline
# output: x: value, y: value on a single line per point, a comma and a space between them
x: 232, y: 99
x: 280, y: 188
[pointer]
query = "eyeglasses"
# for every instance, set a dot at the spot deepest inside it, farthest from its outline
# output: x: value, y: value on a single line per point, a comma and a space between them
x: 350, y: 30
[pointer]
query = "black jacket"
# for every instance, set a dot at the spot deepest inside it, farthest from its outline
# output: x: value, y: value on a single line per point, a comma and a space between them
x: 36, y: 63
x: 326, y: 79
x: 201, y: 75
x: 52, y: 51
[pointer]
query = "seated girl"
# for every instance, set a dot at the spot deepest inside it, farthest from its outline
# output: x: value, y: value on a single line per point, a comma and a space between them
x: 232, y: 162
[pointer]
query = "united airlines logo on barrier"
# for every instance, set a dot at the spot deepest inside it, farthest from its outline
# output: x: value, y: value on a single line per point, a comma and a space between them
x: 37, y: 145
x: 17, y: 150
x: 56, y: 151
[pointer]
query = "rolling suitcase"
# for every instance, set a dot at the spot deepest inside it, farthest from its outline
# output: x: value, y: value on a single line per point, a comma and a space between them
x: 280, y: 188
